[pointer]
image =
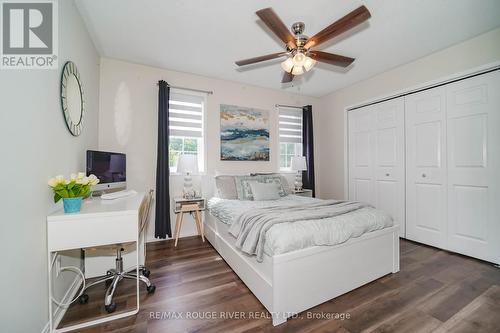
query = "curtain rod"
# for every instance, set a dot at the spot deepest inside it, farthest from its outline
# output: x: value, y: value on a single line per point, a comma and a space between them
x: 210, y: 92
x: 288, y: 106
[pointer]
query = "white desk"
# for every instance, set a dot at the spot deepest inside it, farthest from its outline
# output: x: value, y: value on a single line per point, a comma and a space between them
x: 100, y: 222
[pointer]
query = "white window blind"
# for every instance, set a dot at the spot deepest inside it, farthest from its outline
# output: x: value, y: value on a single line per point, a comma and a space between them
x: 186, y: 115
x: 290, y: 125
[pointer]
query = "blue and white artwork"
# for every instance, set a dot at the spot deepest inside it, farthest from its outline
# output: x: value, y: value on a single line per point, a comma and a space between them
x: 244, y: 134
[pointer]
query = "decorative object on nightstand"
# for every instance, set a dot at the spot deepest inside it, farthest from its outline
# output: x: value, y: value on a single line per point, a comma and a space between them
x: 299, y: 165
x: 303, y: 192
x: 191, y: 206
x: 188, y: 165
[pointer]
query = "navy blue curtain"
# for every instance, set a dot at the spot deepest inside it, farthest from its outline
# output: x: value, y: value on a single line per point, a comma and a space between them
x: 162, y: 222
x: 308, y: 147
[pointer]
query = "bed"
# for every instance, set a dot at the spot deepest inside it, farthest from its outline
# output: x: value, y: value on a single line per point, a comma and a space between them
x: 297, y: 269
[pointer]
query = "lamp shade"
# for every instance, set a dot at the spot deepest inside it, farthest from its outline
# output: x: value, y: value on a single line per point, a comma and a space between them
x: 187, y: 164
x: 299, y: 163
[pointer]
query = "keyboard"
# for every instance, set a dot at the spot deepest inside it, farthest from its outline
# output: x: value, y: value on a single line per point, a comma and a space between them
x: 118, y: 194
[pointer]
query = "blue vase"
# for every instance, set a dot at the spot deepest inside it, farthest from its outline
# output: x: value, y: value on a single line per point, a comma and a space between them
x: 72, y: 205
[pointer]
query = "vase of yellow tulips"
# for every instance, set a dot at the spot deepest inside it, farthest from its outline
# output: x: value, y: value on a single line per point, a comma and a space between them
x: 72, y: 190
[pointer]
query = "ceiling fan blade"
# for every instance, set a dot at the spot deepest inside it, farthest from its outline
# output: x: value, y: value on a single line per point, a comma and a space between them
x: 287, y: 77
x: 259, y: 59
x: 348, y: 22
x: 273, y: 22
x: 330, y: 58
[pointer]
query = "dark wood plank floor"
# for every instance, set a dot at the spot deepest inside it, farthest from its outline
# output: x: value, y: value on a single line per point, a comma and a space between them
x: 434, y: 291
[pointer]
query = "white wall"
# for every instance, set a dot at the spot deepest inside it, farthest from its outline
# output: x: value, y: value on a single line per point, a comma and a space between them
x: 475, y: 52
x: 36, y: 145
x: 128, y: 120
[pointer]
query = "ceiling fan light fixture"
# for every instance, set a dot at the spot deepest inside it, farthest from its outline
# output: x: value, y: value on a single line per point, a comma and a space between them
x: 287, y: 65
x: 309, y: 63
x: 298, y: 59
x: 297, y: 70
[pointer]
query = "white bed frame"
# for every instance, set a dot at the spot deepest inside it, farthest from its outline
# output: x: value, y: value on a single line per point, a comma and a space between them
x: 290, y: 283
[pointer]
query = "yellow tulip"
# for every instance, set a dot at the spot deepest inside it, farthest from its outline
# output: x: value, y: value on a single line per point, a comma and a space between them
x: 60, y: 179
x: 53, y: 182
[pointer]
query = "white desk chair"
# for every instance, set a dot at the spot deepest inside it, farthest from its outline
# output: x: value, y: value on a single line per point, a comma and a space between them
x: 115, y: 275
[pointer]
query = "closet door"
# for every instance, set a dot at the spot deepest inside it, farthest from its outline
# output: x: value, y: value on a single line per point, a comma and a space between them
x: 473, y: 108
x: 376, y: 157
x: 426, y: 167
x: 361, y: 147
x: 389, y: 175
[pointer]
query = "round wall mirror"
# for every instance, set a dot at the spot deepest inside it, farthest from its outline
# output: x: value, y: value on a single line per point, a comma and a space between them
x: 72, y: 98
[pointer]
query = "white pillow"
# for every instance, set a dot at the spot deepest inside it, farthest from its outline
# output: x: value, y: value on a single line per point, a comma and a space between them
x: 265, y: 191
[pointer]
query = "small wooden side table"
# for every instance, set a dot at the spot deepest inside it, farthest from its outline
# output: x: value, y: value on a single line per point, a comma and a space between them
x: 192, y: 206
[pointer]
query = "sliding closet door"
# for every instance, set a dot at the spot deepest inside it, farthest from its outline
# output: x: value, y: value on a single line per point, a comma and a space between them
x: 389, y: 172
x: 473, y: 110
x: 376, y: 157
x: 426, y: 167
x: 361, y: 147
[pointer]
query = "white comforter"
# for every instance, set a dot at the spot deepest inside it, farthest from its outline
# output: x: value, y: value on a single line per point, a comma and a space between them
x: 290, y: 236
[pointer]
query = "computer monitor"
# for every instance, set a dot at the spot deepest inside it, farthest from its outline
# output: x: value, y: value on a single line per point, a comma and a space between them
x: 109, y: 167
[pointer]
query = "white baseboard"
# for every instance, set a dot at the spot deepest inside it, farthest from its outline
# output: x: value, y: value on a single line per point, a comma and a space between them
x: 59, y: 310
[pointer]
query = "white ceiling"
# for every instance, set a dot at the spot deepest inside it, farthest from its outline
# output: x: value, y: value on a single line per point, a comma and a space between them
x: 206, y: 37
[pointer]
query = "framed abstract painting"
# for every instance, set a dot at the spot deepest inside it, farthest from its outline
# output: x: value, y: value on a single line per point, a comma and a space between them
x: 244, y: 134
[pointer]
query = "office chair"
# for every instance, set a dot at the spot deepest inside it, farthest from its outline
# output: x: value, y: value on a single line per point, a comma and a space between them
x: 115, y: 275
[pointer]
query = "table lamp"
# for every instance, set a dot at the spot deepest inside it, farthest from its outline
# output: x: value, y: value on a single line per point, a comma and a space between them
x: 188, y: 165
x: 298, y: 164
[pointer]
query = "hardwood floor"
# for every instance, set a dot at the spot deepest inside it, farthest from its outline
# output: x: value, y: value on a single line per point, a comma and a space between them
x: 434, y: 291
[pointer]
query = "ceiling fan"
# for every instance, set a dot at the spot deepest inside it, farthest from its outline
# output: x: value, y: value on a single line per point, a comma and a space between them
x: 300, y: 56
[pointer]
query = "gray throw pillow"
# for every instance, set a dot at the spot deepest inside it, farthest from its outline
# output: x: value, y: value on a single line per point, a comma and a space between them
x: 284, y: 181
x: 264, y: 191
x: 245, y: 191
x: 226, y: 187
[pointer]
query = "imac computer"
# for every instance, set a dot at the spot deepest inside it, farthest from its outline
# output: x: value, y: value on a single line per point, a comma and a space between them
x: 109, y: 167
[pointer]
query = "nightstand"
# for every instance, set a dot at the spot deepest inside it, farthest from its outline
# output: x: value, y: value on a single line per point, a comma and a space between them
x: 192, y: 206
x: 303, y: 193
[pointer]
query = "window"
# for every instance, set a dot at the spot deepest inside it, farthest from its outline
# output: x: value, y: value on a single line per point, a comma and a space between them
x: 290, y: 135
x: 186, y: 127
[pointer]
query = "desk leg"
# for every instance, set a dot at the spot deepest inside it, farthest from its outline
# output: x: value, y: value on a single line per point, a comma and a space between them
x: 51, y: 319
x: 137, y: 268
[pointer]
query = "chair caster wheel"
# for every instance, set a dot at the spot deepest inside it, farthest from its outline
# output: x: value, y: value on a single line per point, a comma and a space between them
x: 146, y: 272
x: 110, y: 308
x: 108, y: 283
x: 83, y: 299
x: 151, y: 289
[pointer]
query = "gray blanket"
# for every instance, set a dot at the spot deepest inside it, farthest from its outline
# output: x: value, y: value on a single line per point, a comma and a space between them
x: 250, y: 227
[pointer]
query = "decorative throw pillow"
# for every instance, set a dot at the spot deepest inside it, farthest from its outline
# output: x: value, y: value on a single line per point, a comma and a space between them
x: 276, y: 179
x: 264, y: 191
x: 226, y: 187
x: 245, y: 191
x: 284, y: 181
x: 243, y: 188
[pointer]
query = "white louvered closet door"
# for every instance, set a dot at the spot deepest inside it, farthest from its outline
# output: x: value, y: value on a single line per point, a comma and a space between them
x: 426, y: 167
x: 376, y: 157
x: 473, y: 115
